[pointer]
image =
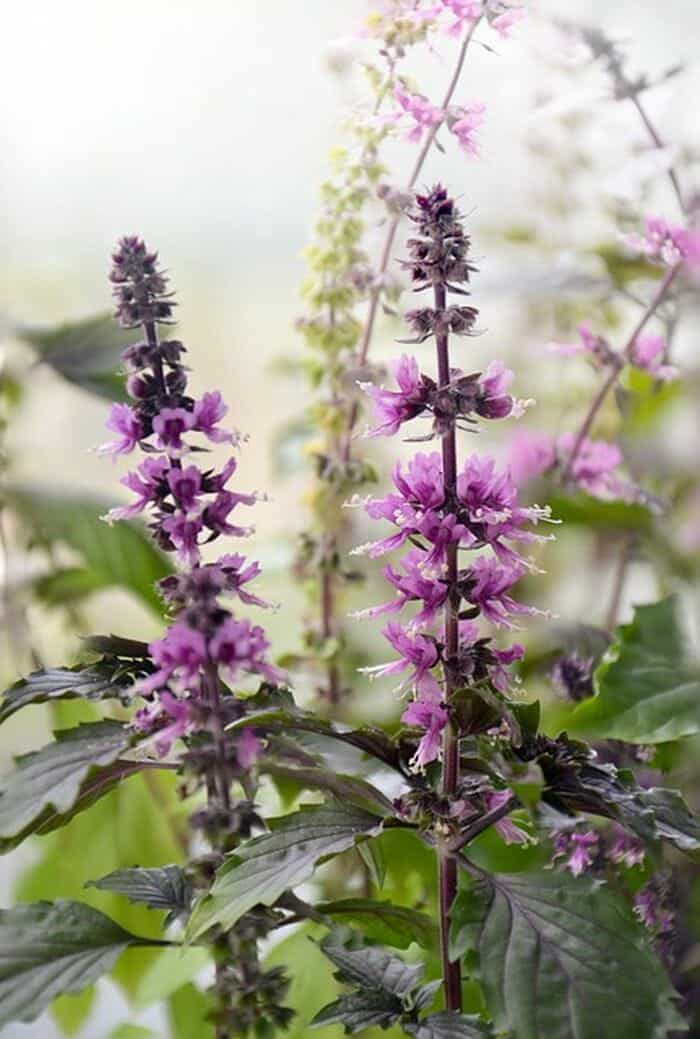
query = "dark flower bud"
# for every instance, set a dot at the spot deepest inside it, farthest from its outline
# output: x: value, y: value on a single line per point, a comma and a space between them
x: 573, y: 677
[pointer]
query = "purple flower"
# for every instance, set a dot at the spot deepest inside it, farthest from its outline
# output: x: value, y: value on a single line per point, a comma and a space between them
x: 508, y: 830
x: 648, y: 352
x: 466, y: 12
x: 578, y: 849
x: 503, y: 23
x: 248, y: 748
x: 206, y: 413
x: 531, y: 454
x: 147, y: 485
x: 183, y: 534
x: 185, y: 485
x: 413, y: 511
x: 431, y: 716
x: 494, y: 402
x: 573, y: 676
x: 412, y: 586
x: 594, y: 467
x: 240, y: 646
x: 236, y: 574
x: 216, y: 514
x: 124, y: 421
x: 420, y: 110
x: 169, y: 425
x: 464, y: 122
x: 179, y: 655
x: 489, y: 501
x: 486, y: 584
x: 626, y: 850
x: 666, y: 242
x: 415, y: 651
x: 393, y: 408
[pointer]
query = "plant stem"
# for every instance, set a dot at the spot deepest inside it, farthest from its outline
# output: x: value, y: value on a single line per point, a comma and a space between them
x: 613, y: 375
x: 385, y: 257
x: 447, y: 865
x: 658, y: 143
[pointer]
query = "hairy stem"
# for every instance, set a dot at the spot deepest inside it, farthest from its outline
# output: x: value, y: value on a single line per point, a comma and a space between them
x: 625, y: 354
x: 447, y: 865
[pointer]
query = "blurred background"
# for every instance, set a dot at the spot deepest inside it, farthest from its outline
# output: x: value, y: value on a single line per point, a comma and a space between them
x: 205, y: 128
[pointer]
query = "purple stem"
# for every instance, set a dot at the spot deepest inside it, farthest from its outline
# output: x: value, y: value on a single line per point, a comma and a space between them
x: 447, y: 865
x: 613, y: 376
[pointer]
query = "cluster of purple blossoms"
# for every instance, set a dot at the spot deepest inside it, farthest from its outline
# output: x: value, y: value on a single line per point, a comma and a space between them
x: 665, y: 243
x: 647, y: 353
x: 584, y: 851
x: 483, y: 395
x: 189, y: 505
x: 595, y: 467
x: 434, y: 518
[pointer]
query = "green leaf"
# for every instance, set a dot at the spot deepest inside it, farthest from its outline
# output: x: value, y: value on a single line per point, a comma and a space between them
x: 346, y: 788
x: 134, y: 821
x: 368, y: 739
x: 373, y: 858
x: 162, y: 887
x: 70, y: 1012
x: 449, y: 1026
x: 170, y: 971
x: 585, y: 511
x: 360, y: 1010
x: 127, y: 1031
x: 372, y: 967
x: 101, y: 681
x: 121, y: 554
x: 662, y: 815
x: 189, y: 1013
x: 86, y: 353
x: 383, y: 921
x: 266, y: 867
x: 48, y: 784
x: 559, y: 956
x: 49, y: 948
x: 647, y: 690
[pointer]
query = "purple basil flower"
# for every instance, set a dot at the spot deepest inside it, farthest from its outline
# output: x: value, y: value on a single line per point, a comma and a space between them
x: 431, y: 716
x: 393, y: 408
x: 123, y: 421
x: 577, y: 849
x: 416, y: 652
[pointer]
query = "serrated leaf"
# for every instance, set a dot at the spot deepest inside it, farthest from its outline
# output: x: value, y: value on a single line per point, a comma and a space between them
x: 136, y: 819
x: 121, y: 554
x: 368, y: 739
x: 360, y: 1010
x: 383, y: 921
x: 663, y: 815
x: 162, y: 887
x: 50, y: 781
x: 372, y: 967
x: 446, y: 1025
x: 266, y: 867
x: 346, y: 788
x: 647, y: 692
x: 86, y: 353
x: 559, y: 955
x: 49, y: 948
x: 101, y: 681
